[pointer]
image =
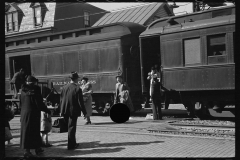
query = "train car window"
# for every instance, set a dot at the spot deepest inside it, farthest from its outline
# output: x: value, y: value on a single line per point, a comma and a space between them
x: 172, y: 53
x: 192, y: 51
x: 216, y: 48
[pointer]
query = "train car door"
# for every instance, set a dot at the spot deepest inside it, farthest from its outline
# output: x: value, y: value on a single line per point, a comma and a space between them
x: 150, y: 56
x: 18, y: 62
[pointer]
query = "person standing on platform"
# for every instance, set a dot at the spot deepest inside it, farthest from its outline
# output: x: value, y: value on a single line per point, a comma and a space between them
x: 17, y: 81
x: 87, y: 98
x: 155, y: 92
x: 122, y: 94
x: 31, y: 103
x: 71, y: 106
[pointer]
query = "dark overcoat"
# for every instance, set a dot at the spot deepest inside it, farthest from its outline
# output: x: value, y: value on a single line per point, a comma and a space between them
x: 156, y: 99
x: 31, y: 103
x: 71, y: 101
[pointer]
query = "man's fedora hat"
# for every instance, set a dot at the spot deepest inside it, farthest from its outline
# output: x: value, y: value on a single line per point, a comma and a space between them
x: 73, y: 75
x: 32, y: 79
x: 85, y: 78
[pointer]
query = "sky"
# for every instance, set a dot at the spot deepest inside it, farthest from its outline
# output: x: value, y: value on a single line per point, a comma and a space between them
x: 184, y: 7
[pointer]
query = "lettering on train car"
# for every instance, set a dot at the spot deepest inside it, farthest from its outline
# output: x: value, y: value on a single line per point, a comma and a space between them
x: 64, y: 83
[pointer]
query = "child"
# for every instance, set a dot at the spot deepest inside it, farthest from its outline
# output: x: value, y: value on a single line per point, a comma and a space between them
x: 46, y: 126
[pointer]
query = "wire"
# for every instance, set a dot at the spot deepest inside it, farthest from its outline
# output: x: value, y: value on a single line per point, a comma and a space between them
x: 26, y: 24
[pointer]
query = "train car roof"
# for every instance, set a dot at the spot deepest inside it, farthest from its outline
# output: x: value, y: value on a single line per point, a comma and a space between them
x: 127, y: 29
x: 110, y: 31
x: 190, y: 26
x: 199, y: 15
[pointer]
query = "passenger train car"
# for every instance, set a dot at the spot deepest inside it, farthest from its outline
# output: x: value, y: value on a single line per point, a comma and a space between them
x: 196, y: 52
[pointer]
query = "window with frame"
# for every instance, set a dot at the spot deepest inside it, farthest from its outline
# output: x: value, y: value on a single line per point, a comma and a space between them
x: 86, y: 19
x: 11, y: 21
x: 37, y: 13
x: 216, y: 48
x: 192, y: 51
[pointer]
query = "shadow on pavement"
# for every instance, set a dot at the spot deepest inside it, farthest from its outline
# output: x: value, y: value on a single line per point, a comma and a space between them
x: 107, y: 123
x: 97, y: 144
x: 92, y: 148
x: 61, y: 152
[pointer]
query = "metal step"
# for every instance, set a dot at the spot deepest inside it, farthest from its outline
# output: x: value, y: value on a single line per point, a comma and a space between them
x: 224, y: 113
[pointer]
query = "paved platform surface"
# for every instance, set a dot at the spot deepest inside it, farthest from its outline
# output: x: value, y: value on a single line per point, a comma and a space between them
x: 105, y: 138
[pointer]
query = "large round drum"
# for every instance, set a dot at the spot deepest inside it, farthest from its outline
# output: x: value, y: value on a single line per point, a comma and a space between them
x: 119, y: 113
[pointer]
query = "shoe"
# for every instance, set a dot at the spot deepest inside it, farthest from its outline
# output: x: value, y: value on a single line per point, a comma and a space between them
x: 27, y: 155
x: 87, y: 123
x: 39, y: 151
x: 76, y: 146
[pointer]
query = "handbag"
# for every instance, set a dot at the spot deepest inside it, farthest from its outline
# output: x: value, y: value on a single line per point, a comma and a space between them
x: 8, y: 135
x: 59, y: 126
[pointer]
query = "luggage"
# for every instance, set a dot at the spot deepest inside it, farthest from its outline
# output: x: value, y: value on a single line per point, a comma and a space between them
x: 59, y: 126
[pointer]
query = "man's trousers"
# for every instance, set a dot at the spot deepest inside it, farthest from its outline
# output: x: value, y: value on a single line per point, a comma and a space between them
x: 72, y: 125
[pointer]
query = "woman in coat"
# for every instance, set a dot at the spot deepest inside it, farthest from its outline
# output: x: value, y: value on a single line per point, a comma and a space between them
x: 87, y: 97
x: 31, y: 103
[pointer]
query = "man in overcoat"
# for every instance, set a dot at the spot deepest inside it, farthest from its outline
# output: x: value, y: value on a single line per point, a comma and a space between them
x: 71, y: 106
x: 31, y: 103
x: 156, y: 97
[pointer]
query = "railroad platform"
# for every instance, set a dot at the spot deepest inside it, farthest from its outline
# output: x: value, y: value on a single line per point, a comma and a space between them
x: 105, y: 138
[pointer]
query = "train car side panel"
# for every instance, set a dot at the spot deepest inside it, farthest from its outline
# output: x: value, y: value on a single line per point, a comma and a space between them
x: 200, y: 78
